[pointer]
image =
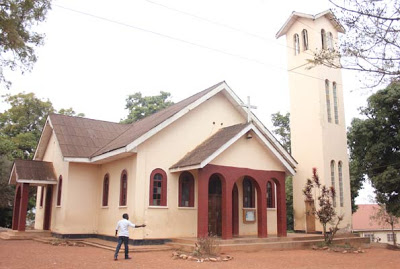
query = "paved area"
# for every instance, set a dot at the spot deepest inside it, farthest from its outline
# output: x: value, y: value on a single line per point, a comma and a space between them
x: 32, y: 254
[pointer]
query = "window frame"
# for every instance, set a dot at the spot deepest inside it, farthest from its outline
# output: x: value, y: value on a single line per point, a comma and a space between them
x: 106, y: 190
x: 323, y: 39
x: 164, y: 182
x: 250, y: 193
x: 191, y: 189
x: 271, y: 198
x: 333, y: 181
x: 304, y: 34
x: 123, y: 190
x: 59, y: 190
x: 296, y: 41
x: 340, y: 174
x: 328, y: 101
x: 335, y: 102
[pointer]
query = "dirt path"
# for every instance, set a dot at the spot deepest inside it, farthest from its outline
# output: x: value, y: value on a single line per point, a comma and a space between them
x: 31, y: 255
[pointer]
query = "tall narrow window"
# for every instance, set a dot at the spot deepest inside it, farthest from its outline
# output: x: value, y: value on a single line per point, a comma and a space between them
x: 304, y: 34
x: 270, y: 195
x: 323, y: 39
x: 296, y: 44
x: 106, y: 184
x: 186, y: 190
x: 335, y: 103
x: 333, y: 180
x: 59, y: 191
x: 340, y: 169
x: 158, y: 188
x: 328, y: 101
x: 41, y: 195
x: 123, y: 189
x: 248, y: 193
x: 330, y: 40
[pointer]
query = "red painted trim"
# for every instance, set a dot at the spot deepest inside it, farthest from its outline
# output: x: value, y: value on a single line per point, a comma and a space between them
x: 123, y: 191
x: 235, y: 211
x: 106, y: 189
x: 164, y: 186
x: 191, y: 189
x: 23, y: 207
x: 59, y: 190
x: 230, y: 175
x: 17, y: 201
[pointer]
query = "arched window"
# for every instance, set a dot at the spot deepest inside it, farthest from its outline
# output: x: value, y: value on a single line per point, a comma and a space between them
x: 304, y: 34
x: 59, y: 191
x: 270, y: 195
x: 41, y: 196
x: 158, y: 188
x: 328, y: 100
x: 335, y: 103
x: 186, y: 190
x: 248, y: 193
x: 296, y: 44
x: 106, y: 186
x: 340, y: 169
x: 123, y: 189
x: 333, y: 179
x: 323, y: 39
x: 330, y: 40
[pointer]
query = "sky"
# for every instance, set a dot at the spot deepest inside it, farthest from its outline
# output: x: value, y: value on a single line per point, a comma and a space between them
x: 98, y: 52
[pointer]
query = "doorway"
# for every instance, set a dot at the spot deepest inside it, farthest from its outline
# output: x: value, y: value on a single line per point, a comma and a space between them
x: 214, y: 206
x: 47, y: 207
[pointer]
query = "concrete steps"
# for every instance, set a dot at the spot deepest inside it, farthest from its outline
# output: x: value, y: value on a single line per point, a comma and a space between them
x: 26, y: 235
x: 271, y: 243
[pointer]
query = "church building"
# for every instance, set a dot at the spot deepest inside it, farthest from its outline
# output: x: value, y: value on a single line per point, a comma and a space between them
x: 205, y: 165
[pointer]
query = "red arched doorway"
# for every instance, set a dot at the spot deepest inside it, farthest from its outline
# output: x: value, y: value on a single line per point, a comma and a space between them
x: 214, y: 206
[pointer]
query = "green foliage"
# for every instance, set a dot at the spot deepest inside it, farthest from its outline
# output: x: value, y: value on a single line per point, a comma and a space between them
x: 140, y: 107
x: 17, y: 37
x: 70, y: 112
x: 325, y: 212
x: 374, y: 144
x: 282, y: 129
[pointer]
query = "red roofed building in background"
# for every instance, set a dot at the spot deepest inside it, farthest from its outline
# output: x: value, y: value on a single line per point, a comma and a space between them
x: 365, y: 224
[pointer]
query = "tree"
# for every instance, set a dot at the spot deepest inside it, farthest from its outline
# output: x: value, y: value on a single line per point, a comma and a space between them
x: 325, y: 212
x: 282, y: 130
x: 383, y: 218
x: 70, y: 112
x: 17, y: 37
x: 372, y: 42
x: 374, y: 144
x: 140, y: 107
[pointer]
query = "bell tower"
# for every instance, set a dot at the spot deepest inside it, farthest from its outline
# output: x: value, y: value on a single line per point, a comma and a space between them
x: 317, y: 121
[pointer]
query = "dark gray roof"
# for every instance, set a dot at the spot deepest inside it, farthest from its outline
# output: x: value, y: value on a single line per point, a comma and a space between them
x: 34, y: 170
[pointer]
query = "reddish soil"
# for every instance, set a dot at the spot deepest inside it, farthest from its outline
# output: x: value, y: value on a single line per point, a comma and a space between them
x: 31, y: 255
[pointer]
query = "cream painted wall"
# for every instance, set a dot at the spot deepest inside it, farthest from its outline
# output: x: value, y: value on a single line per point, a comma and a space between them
x: 382, y: 235
x: 175, y: 141
x: 58, y: 213
x: 315, y: 141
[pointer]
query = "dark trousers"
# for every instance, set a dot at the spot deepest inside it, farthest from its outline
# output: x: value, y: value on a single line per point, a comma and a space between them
x: 121, y: 239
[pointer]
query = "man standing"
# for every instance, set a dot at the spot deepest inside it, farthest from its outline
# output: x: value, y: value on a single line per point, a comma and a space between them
x: 123, y: 234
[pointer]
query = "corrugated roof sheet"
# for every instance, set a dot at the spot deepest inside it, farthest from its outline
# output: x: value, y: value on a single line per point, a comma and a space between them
x: 34, y: 170
x: 209, y: 146
x: 362, y: 219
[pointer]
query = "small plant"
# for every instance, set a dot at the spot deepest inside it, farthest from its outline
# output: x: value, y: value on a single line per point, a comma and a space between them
x: 325, y: 213
x: 206, y: 246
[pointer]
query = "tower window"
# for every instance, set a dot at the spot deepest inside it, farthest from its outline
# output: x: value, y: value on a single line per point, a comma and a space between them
x: 304, y: 34
x: 330, y: 40
x: 340, y: 169
x: 328, y: 101
x: 335, y: 103
x: 333, y: 180
x: 323, y: 39
x: 296, y: 44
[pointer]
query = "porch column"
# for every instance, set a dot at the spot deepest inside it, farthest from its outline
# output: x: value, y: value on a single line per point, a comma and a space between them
x: 262, y: 210
x: 227, y: 187
x: 281, y: 207
x: 23, y: 206
x: 17, y: 203
x: 202, y: 207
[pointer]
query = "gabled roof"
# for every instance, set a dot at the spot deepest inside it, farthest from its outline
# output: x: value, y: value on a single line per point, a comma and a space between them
x: 212, y: 147
x: 32, y: 172
x: 295, y: 15
x: 90, y: 141
x: 362, y: 220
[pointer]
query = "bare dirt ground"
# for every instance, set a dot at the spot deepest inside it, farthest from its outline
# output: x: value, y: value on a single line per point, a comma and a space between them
x: 31, y: 255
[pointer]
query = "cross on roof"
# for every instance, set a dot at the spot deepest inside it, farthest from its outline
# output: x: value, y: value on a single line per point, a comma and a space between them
x: 248, y: 107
